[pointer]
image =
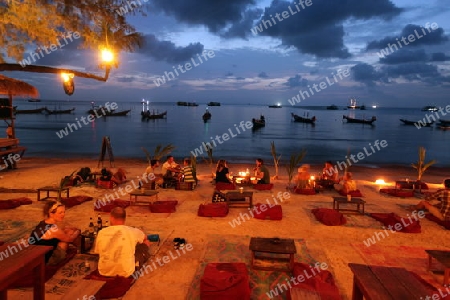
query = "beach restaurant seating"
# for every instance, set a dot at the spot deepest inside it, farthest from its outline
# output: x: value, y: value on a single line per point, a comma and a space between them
x: 263, y: 186
x: 304, y: 191
x: 220, y: 186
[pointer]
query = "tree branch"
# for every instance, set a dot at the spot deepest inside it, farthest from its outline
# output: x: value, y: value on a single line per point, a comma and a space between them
x: 43, y: 69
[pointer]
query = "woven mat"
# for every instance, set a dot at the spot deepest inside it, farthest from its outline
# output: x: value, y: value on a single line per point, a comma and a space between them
x: 14, y: 230
x: 230, y: 248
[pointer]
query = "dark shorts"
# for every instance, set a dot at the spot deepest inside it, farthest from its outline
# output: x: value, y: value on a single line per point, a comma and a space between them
x: 58, y: 256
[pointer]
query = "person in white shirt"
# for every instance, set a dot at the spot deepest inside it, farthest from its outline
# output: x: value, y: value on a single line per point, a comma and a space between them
x: 120, y: 247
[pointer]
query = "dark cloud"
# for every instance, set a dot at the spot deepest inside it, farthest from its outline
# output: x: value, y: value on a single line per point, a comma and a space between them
x: 405, y: 56
x: 263, y: 75
x: 296, y: 81
x: 317, y: 29
x: 242, y: 28
x: 168, y: 51
x: 428, y: 36
x: 440, y: 56
x: 414, y: 71
x: 216, y: 15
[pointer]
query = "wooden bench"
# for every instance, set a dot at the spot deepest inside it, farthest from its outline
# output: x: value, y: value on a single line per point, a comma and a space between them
x: 16, y: 264
x: 387, y: 283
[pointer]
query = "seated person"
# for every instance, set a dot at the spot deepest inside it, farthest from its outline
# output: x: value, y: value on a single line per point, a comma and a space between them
x: 222, y: 173
x: 120, y: 247
x: 170, y: 170
x: 303, y: 177
x: 438, y: 204
x: 119, y: 176
x: 348, y: 184
x: 187, y: 172
x: 261, y: 172
x: 106, y: 175
x: 51, y: 232
x: 83, y: 175
x: 330, y: 176
x: 151, y: 170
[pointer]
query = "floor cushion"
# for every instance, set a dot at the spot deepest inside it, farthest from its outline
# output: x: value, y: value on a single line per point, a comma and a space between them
x: 397, y: 192
x: 225, y: 186
x: 356, y: 193
x: 163, y: 206
x: 268, y: 212
x: 391, y: 219
x: 114, y: 287
x: 305, y: 191
x: 9, y: 204
x: 213, y: 210
x: 104, y: 184
x: 224, y: 281
x: 329, y: 216
x: 263, y: 186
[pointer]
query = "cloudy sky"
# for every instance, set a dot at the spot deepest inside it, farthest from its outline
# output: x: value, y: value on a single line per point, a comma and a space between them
x: 262, y: 52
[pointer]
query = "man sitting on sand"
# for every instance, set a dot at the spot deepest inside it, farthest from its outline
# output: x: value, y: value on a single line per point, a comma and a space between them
x: 170, y: 170
x: 121, y: 248
x: 261, y: 172
x: 438, y: 204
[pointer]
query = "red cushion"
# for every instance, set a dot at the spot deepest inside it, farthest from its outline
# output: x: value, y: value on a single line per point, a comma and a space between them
x: 329, y: 216
x: 356, y: 193
x: 9, y: 204
x: 213, y: 210
x: 105, y: 184
x: 224, y: 281
x: 163, y: 206
x: 263, y: 186
x: 268, y: 212
x: 305, y: 191
x: 225, y: 186
x: 23, y: 200
x: 391, y: 219
x: 314, y: 278
x: 114, y: 287
x: 398, y: 193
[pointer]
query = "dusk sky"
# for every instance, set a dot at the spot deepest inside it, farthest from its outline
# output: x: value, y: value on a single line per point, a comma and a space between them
x: 329, y: 50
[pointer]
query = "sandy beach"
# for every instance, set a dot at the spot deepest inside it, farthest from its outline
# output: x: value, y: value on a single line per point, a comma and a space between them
x: 332, y: 245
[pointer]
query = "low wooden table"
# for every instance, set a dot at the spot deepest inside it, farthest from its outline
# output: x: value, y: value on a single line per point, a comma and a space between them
x: 16, y: 264
x: 142, y: 193
x: 386, y: 283
x: 49, y: 189
x: 238, y: 199
x: 443, y: 257
x: 355, y: 201
x: 277, y: 246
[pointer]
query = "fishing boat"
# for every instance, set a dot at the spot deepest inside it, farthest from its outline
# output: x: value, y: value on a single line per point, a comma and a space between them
x: 407, y: 122
x: 206, y: 116
x: 360, y: 121
x: 34, y: 100
x: 212, y: 103
x: 353, y: 104
x: 59, y: 111
x: 444, y: 122
x: 118, y: 113
x: 430, y: 108
x: 258, y: 123
x: 147, y: 115
x: 183, y: 103
x: 29, y: 111
x: 332, y: 107
x: 278, y: 105
x: 300, y: 119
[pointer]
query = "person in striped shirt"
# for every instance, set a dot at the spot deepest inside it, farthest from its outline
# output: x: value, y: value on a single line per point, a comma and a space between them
x: 187, y: 172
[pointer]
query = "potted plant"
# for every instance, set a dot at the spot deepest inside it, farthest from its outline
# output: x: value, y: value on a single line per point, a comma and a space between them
x: 276, y: 158
x: 421, y: 166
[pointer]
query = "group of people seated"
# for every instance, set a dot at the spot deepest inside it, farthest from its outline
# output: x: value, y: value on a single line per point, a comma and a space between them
x: 172, y: 172
x: 329, y: 179
x: 117, y: 257
x: 261, y: 172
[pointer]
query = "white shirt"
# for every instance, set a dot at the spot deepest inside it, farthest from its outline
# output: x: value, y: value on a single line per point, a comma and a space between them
x: 116, y: 246
x: 168, y: 165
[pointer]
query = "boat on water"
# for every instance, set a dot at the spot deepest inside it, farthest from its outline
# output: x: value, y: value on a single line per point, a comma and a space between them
x: 29, y: 111
x: 118, y: 113
x: 306, y: 119
x: 360, y: 121
x: 430, y: 108
x: 59, y: 111
x: 100, y: 111
x: 183, y: 103
x: 278, y: 105
x: 148, y: 115
x: 444, y: 122
x: 212, y: 103
x: 206, y: 116
x: 407, y: 122
x: 332, y: 107
x: 353, y: 104
x: 258, y: 123
x: 34, y: 100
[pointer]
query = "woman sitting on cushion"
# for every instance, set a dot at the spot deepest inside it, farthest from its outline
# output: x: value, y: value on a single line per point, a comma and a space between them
x: 222, y: 173
x: 348, y: 184
x: 303, y: 177
x: 51, y: 232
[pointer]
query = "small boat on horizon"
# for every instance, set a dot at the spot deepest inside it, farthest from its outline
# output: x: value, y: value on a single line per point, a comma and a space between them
x: 278, y: 105
x: 306, y: 119
x: 147, y: 115
x: 212, y: 103
x: 353, y: 104
x: 258, y: 123
x: 332, y: 107
x: 59, y: 111
x: 184, y: 103
x: 430, y: 108
x: 34, y: 100
x: 206, y: 116
x: 29, y: 111
x: 360, y: 121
